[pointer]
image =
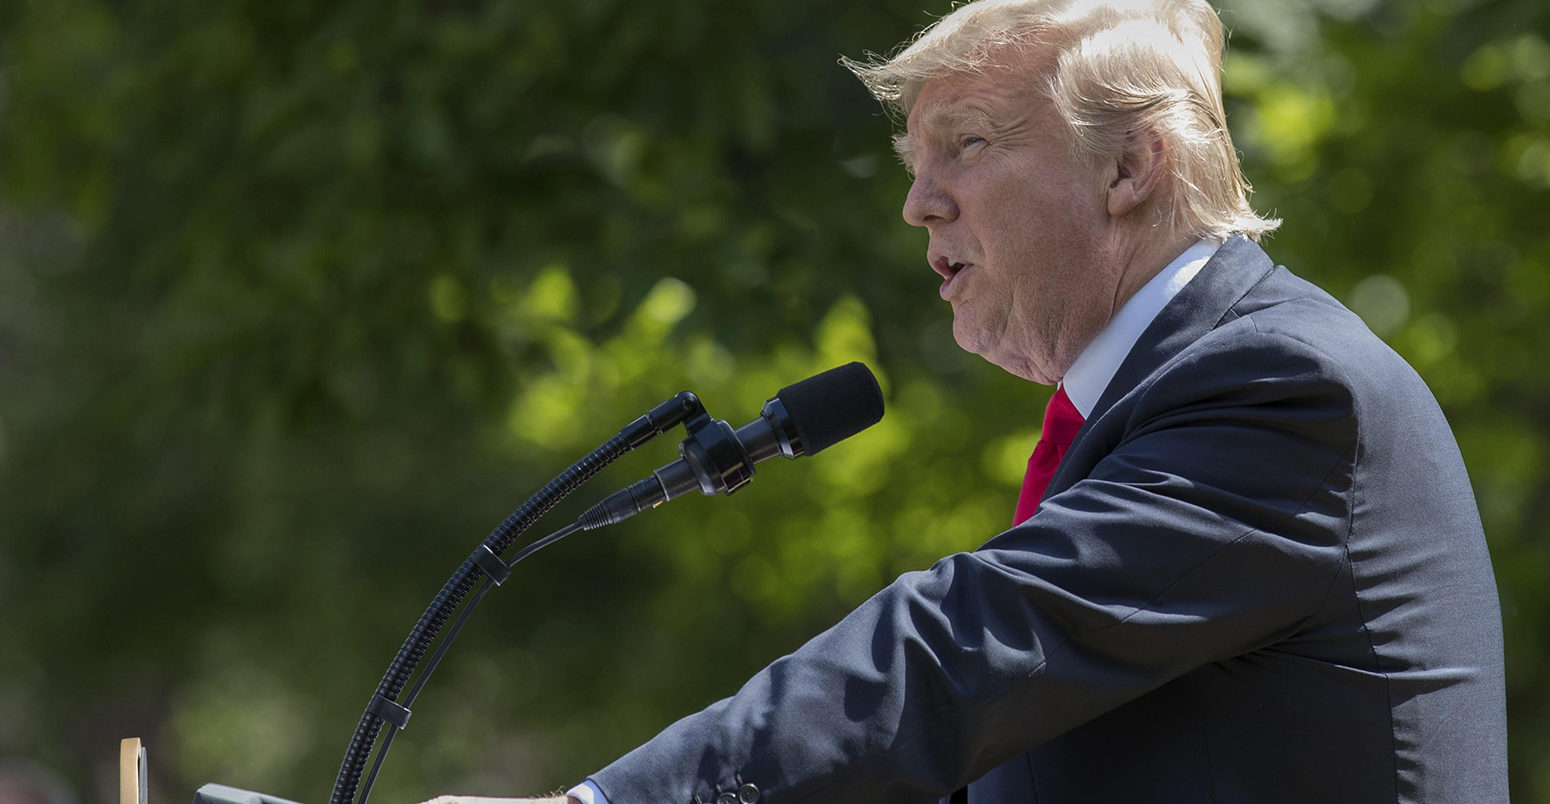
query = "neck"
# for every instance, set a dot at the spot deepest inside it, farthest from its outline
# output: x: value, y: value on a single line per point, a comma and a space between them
x: 1141, y: 257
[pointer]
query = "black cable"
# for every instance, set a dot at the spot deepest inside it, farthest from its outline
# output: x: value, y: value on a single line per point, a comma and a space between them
x: 664, y: 416
x: 419, y: 684
x: 452, y: 593
x: 371, y: 778
x: 446, y: 642
x: 544, y: 542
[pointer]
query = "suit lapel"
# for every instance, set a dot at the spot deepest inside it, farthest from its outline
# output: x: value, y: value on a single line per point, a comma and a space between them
x: 1203, y: 304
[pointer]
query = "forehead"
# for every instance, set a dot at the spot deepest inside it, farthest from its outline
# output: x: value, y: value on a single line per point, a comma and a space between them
x: 949, y: 101
x: 987, y: 101
x: 1011, y: 80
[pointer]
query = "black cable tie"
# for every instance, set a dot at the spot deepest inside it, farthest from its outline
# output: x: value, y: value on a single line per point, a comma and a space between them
x: 389, y: 711
x: 493, y: 566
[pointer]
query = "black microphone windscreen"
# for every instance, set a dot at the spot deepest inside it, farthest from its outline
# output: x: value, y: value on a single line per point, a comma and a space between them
x: 832, y: 406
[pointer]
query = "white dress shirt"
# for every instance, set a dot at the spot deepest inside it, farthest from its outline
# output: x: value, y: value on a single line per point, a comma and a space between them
x: 1090, y: 374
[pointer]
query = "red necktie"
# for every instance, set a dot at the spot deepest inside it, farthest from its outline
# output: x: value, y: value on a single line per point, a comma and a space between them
x: 1061, y: 422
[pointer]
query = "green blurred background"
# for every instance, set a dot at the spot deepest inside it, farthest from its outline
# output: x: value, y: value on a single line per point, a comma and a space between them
x: 298, y: 300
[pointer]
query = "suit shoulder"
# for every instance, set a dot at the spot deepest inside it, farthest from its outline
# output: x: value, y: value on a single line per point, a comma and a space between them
x: 1290, y: 313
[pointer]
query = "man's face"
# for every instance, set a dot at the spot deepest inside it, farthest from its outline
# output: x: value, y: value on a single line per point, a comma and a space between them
x: 1019, y: 231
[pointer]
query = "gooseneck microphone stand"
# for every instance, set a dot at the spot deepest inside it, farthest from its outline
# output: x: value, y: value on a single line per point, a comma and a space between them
x: 803, y: 418
x: 385, y: 707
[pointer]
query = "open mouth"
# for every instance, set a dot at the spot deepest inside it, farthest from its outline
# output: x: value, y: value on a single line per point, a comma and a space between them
x: 948, y: 270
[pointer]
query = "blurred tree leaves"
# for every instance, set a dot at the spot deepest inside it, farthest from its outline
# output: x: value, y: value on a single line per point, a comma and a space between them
x: 298, y: 300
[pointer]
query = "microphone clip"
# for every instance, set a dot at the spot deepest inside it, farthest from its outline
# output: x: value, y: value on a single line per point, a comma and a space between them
x: 720, y: 462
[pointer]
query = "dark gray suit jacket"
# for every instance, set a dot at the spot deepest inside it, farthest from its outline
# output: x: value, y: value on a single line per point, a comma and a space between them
x: 1258, y: 576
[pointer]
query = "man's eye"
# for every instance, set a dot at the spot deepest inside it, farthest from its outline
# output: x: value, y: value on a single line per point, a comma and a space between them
x: 970, y: 140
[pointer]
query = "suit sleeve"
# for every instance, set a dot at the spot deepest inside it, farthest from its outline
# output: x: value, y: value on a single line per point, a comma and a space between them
x: 1201, y: 519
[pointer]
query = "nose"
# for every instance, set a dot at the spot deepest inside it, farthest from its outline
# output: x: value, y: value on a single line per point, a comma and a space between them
x: 928, y: 202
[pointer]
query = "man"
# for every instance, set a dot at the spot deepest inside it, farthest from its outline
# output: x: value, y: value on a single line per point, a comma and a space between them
x: 1257, y: 574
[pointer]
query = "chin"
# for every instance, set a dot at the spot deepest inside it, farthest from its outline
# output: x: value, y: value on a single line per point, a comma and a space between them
x: 975, y: 339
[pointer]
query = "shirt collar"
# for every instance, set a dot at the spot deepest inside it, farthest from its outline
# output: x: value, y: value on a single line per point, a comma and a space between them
x: 1090, y: 374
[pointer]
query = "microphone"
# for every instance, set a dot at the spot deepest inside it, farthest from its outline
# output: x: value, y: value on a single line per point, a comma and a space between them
x: 803, y: 418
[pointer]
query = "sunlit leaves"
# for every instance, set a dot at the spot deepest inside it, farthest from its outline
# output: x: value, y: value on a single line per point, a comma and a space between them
x: 301, y: 299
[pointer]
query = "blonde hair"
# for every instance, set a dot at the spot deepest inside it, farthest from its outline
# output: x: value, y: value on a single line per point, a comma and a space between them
x: 1122, y: 67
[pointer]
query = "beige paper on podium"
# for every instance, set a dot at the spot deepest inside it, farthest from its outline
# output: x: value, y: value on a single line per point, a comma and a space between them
x: 133, y: 786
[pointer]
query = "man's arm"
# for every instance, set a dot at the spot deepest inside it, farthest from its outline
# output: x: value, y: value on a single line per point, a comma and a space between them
x: 1178, y: 547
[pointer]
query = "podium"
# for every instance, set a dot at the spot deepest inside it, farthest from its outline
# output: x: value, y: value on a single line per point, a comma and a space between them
x: 133, y: 787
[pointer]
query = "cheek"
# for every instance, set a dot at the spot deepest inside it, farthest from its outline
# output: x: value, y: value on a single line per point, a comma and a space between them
x: 1045, y: 204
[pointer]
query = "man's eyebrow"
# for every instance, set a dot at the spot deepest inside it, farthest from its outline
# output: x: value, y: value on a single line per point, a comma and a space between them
x: 953, y: 118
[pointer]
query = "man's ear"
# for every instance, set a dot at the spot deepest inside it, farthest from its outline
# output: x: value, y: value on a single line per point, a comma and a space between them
x: 1138, y: 171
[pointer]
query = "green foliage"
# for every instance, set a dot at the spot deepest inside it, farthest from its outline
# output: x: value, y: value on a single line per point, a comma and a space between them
x: 298, y: 300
